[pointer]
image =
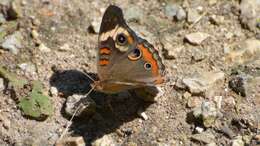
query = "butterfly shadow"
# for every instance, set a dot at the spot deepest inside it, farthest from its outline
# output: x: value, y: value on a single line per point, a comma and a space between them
x: 111, y: 110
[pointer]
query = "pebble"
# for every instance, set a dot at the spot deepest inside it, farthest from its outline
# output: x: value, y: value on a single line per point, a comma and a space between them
x: 2, y: 86
x: 35, y: 34
x: 199, y: 129
x: 218, y: 101
x: 196, y: 38
x: 71, y: 141
x: 193, y: 15
x: 65, y: 47
x: 171, y: 52
x: 134, y: 13
x: 194, y: 101
x: 204, y: 137
x: 85, y: 105
x: 197, y: 54
x: 13, y: 42
x: 142, y: 114
x: 44, y: 48
x: 201, y: 82
x: 170, y: 10
x: 106, y: 140
x: 54, y: 91
x: 238, y: 141
x: 186, y: 95
x: 181, y: 14
x: 208, y: 112
x: 242, y: 52
x: 28, y: 68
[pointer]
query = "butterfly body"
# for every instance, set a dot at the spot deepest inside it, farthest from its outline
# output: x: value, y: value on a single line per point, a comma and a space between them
x: 125, y: 61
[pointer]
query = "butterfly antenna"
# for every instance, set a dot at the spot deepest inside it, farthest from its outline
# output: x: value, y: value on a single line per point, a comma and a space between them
x: 88, y: 76
x: 72, y: 117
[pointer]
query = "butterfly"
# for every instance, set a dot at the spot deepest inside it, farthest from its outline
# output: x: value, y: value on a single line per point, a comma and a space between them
x: 124, y: 60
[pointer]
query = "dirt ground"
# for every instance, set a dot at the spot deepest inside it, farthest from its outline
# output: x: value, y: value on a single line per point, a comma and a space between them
x: 59, y: 39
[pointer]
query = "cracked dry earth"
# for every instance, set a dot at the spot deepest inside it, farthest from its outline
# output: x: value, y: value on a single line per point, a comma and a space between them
x: 210, y: 49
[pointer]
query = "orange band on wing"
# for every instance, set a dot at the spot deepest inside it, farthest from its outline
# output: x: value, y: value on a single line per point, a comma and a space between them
x: 130, y: 39
x: 104, y: 51
x: 148, y: 57
x: 103, y: 62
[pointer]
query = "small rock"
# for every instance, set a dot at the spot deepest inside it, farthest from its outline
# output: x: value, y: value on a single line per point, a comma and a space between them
x: 71, y: 141
x: 65, y: 47
x: 238, y: 141
x: 205, y: 137
x: 142, y: 114
x: 181, y: 14
x: 54, y: 91
x: 201, y: 82
x: 218, y: 101
x: 179, y: 84
x: 199, y: 129
x: 85, y: 106
x: 36, y: 22
x: 13, y: 42
x: 28, y: 68
x: 186, y: 95
x: 44, y: 48
x: 35, y: 34
x: 170, y: 10
x: 208, y: 112
x: 198, y: 55
x: 171, y: 52
x: 242, y: 52
x: 174, y: 11
x: 193, y: 15
x: 106, y: 140
x: 196, y: 38
x: 2, y: 86
x: 194, y: 101
x: 134, y: 13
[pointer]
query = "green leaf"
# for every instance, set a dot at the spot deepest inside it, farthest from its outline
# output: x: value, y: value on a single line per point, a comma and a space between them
x: 14, y: 80
x: 36, y: 104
